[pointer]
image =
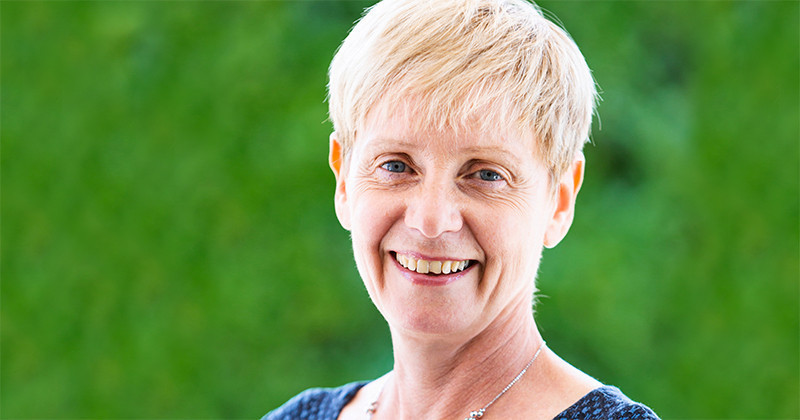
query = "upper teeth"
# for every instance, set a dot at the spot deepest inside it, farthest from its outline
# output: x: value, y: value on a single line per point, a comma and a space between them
x: 437, y: 267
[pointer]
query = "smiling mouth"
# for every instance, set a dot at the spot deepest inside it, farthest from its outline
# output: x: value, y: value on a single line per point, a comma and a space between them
x: 431, y: 266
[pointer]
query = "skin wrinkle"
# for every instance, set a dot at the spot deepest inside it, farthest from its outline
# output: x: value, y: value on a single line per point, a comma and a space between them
x: 501, y: 275
x: 478, y: 117
x: 518, y: 180
x: 482, y: 365
x: 508, y: 196
x: 516, y: 59
x: 509, y: 370
x: 450, y: 89
x: 500, y: 314
x: 443, y: 380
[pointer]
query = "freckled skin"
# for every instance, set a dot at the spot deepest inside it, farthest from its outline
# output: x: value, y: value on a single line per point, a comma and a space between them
x: 467, y: 195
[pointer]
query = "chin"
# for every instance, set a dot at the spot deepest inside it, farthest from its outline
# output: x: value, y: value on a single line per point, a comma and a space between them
x: 442, y: 320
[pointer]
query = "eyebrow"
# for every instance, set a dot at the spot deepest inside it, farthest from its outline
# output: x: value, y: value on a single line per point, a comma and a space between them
x: 388, y: 141
x: 482, y: 149
x: 511, y: 158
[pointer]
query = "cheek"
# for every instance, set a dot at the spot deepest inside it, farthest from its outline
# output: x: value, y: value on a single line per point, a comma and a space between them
x: 513, y: 245
x: 373, y: 215
x: 512, y: 232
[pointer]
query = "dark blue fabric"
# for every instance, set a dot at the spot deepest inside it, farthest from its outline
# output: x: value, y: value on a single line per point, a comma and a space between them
x: 606, y: 402
x: 316, y: 403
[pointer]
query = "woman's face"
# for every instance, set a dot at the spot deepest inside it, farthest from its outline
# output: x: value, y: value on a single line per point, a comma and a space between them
x: 447, y: 227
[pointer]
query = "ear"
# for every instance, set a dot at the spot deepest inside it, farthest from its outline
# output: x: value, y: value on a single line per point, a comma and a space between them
x: 339, y: 168
x: 566, y: 194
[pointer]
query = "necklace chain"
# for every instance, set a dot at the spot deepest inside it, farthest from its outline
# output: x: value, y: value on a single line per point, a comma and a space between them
x: 473, y: 415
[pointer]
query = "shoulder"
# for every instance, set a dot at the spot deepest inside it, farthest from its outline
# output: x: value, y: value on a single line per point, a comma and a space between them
x: 607, y: 402
x: 316, y: 404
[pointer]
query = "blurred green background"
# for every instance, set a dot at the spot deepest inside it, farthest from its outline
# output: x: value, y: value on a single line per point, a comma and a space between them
x: 169, y: 247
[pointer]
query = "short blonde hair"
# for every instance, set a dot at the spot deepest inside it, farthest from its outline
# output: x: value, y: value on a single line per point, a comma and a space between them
x: 497, y: 63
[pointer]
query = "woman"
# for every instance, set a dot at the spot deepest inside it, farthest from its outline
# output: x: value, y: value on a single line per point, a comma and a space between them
x: 458, y: 130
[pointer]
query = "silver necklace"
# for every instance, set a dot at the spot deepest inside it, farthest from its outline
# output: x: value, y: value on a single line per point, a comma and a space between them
x: 473, y: 415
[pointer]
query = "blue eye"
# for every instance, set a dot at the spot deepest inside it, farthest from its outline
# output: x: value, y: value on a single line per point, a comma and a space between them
x: 487, y: 175
x: 394, y: 166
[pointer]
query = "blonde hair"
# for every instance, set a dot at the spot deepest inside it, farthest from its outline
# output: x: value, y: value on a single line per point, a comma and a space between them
x: 495, y: 63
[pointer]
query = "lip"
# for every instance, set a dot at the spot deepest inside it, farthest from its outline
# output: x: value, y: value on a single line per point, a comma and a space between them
x: 427, y: 280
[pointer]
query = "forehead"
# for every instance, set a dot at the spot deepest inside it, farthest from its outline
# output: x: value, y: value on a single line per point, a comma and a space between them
x: 412, y: 124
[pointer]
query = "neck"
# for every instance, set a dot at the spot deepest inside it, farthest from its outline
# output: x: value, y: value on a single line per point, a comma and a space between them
x: 441, y: 378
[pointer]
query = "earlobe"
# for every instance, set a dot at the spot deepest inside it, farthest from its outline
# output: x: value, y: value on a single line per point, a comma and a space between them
x: 566, y: 194
x: 337, y: 164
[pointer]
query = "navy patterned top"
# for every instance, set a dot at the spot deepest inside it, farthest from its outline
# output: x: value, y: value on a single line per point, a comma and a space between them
x: 606, y: 402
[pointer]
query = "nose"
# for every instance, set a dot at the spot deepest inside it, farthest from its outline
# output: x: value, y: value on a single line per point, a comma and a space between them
x: 432, y: 210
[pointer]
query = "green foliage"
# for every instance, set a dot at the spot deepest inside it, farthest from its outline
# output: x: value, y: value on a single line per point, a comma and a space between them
x: 170, y: 248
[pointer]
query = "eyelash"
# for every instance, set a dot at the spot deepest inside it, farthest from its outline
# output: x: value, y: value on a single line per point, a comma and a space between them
x: 397, y: 167
x: 489, y: 173
x: 386, y: 166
